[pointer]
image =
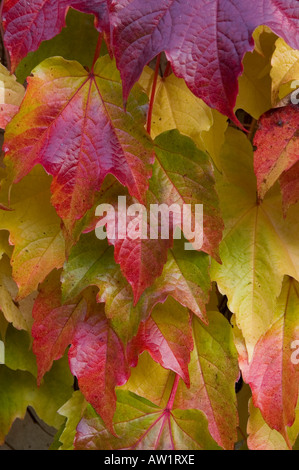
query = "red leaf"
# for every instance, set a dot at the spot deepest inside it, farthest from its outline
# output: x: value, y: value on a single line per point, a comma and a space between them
x: 277, y: 152
x: 97, y: 360
x: 167, y: 336
x: 28, y: 23
x: 272, y: 374
x: 141, y: 260
x: 289, y: 185
x: 204, y: 41
x: 73, y: 124
x: 96, y: 355
x: 54, y: 324
x: 274, y: 380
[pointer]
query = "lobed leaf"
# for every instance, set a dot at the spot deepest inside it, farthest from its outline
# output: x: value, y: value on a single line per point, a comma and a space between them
x: 259, y: 245
x: 34, y: 230
x: 167, y: 336
x: 208, y: 56
x: 27, y: 24
x: 213, y: 373
x: 272, y: 376
x: 73, y: 123
x: 142, y: 425
x: 54, y: 324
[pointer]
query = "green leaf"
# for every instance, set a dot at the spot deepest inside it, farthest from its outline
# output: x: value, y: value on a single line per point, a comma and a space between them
x: 18, y: 352
x: 259, y: 246
x: 72, y: 410
x: 34, y: 230
x: 20, y: 391
x: 182, y: 174
x: 142, y: 425
x: 213, y: 373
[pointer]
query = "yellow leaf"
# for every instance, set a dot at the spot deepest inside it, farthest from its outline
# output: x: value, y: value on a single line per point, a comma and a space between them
x: 257, y: 37
x: 34, y: 230
x: 261, y: 436
x: 285, y: 71
x: 259, y: 245
x: 176, y: 107
x: 212, y: 140
x: 255, y: 82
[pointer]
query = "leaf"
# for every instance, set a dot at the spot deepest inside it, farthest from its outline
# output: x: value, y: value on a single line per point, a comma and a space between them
x: 255, y: 82
x: 91, y: 262
x: 284, y: 71
x: 142, y: 425
x: 293, y: 431
x: 77, y: 41
x: 11, y: 95
x: 185, y: 277
x: 98, y: 361
x: 96, y: 356
x: 289, y: 186
x: 141, y: 257
x: 5, y: 247
x: 259, y: 245
x: 261, y: 436
x: 258, y: 35
x: 18, y: 351
x: 27, y: 24
x: 208, y: 56
x: 213, y: 139
x: 55, y: 390
x: 54, y: 324
x: 21, y: 391
x: 15, y: 312
x: 277, y: 146
x: 184, y: 175
x: 95, y: 349
x: 73, y: 410
x: 34, y: 231
x: 272, y: 376
x: 167, y: 336
x: 176, y: 107
x: 213, y: 372
x: 80, y: 153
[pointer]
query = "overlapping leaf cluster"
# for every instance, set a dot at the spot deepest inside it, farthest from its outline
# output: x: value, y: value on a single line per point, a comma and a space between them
x: 137, y: 321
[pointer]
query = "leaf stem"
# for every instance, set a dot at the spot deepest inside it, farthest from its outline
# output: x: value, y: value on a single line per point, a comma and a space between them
x: 153, y: 93
x: 171, y: 399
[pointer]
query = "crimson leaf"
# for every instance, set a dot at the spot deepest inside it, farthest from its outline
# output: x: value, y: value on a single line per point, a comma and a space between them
x: 205, y: 41
x: 27, y: 24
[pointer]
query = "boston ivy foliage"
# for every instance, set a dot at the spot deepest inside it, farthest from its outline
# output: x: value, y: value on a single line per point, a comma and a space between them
x: 159, y: 102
